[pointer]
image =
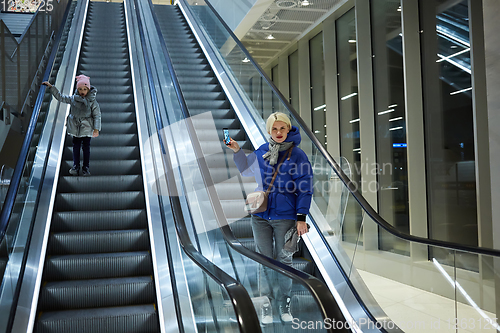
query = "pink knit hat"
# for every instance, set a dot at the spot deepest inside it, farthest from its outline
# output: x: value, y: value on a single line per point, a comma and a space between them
x: 82, y: 81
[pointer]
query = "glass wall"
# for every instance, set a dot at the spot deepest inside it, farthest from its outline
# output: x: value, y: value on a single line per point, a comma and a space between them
x: 293, y: 72
x: 449, y: 125
x: 389, y: 113
x: 349, y: 114
x: 317, y: 71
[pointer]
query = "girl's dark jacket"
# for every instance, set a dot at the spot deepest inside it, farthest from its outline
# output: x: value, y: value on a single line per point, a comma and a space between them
x: 84, y: 114
x: 293, y: 188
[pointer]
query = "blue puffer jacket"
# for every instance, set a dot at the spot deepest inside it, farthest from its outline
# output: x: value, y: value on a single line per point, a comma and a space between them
x: 293, y: 188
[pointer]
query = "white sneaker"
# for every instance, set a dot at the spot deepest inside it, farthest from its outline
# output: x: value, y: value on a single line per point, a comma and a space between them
x: 285, y: 313
x: 267, y: 314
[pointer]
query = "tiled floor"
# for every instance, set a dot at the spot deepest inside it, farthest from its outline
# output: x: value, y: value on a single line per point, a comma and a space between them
x: 418, y: 311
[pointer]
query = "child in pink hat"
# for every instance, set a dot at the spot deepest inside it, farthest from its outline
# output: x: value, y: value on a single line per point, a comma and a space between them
x: 83, y: 122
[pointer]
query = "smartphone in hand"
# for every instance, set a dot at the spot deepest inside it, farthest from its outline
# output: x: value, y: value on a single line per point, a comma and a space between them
x: 227, y: 139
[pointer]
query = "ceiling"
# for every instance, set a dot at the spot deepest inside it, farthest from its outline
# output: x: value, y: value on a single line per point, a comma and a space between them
x: 281, y: 23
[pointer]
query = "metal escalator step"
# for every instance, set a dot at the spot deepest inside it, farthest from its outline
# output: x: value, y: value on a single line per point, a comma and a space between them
x: 124, y: 319
x: 230, y: 174
x: 226, y: 191
x: 95, y: 61
x: 88, y: 42
x: 97, y: 266
x: 80, y: 294
x: 96, y: 67
x: 104, y: 139
x: 234, y: 208
x: 119, y: 183
x: 89, y: 50
x: 192, y: 73
x: 107, y: 153
x: 99, y: 201
x: 115, y: 98
x: 208, y: 104
x: 109, y: 167
x: 218, y: 114
x: 106, y: 74
x: 236, y: 134
x: 114, y: 88
x: 100, y: 220
x: 119, y: 128
x: 302, y: 264
x: 197, y: 80
x: 202, y: 95
x: 219, y: 123
x: 248, y: 243
x: 116, y: 106
x: 189, y: 67
x: 98, y: 241
x: 241, y: 227
x: 117, y: 116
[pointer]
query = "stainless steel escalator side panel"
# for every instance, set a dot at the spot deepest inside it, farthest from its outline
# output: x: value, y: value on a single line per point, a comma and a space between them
x: 28, y: 298
x: 151, y: 167
x: 255, y: 129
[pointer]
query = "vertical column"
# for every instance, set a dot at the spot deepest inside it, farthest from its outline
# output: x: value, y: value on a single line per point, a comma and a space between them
x: 481, y: 131
x: 417, y: 191
x: 366, y: 120
x: 304, y: 82
x: 283, y: 76
x: 491, y: 12
x: 331, y: 89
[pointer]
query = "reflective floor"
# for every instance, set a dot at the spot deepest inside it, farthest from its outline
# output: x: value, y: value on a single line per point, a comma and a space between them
x: 418, y: 311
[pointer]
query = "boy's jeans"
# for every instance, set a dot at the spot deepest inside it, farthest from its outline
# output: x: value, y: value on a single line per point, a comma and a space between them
x: 263, y: 232
x: 83, y: 142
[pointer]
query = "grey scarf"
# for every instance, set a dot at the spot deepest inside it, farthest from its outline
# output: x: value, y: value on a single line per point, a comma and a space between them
x: 274, y: 149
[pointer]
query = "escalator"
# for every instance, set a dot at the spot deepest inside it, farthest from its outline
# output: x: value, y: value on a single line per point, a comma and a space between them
x: 98, y: 273
x: 208, y: 105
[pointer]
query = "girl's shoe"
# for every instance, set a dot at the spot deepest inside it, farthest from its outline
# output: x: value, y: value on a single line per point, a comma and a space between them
x: 74, y: 171
x: 85, y: 171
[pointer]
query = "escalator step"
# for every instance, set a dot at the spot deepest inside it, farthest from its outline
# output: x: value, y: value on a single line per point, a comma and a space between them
x: 112, y: 140
x: 109, y: 167
x: 129, y: 319
x: 101, y: 220
x: 118, y: 183
x: 97, y: 266
x: 108, y: 153
x: 98, y: 241
x: 99, y: 201
x: 76, y: 294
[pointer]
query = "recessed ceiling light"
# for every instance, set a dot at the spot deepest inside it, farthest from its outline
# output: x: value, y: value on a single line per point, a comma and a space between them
x: 305, y: 3
x: 246, y: 60
x: 270, y: 37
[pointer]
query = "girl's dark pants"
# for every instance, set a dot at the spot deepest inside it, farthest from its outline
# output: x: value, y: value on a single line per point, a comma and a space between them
x: 83, y: 142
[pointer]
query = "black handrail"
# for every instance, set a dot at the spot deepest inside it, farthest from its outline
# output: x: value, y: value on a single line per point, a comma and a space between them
x: 23, y: 154
x: 353, y: 188
x: 320, y: 292
x: 242, y: 303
